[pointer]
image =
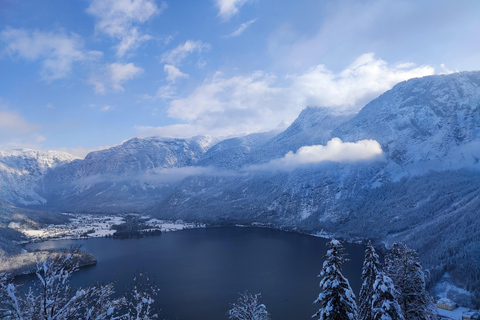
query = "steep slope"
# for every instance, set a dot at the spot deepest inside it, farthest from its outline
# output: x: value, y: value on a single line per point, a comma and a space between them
x: 21, y: 171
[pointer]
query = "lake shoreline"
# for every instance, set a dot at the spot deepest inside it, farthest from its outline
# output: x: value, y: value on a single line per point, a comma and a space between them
x: 25, y: 263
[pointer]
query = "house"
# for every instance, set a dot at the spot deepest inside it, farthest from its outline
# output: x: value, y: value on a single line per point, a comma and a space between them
x: 446, y: 304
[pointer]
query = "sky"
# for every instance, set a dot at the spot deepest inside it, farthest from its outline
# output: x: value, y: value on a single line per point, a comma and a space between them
x: 84, y: 75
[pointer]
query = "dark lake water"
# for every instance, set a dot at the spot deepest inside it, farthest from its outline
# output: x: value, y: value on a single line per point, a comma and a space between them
x: 201, y: 271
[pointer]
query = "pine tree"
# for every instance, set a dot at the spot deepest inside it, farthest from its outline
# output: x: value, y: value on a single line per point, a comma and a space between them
x: 370, y: 271
x: 337, y: 298
x: 407, y: 274
x: 384, y: 303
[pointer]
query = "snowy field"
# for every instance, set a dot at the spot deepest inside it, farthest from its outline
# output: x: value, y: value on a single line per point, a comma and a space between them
x: 94, y: 225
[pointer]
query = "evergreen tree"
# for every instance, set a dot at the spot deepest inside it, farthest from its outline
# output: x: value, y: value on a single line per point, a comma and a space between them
x: 337, y: 298
x: 407, y: 274
x: 370, y: 271
x: 384, y: 303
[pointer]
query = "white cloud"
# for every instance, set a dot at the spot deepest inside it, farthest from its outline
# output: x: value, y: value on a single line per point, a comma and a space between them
x: 16, y: 132
x: 257, y: 102
x: 232, y: 105
x: 229, y: 8
x: 173, y: 73
x: 176, y: 55
x: 57, y: 51
x: 242, y: 28
x: 123, y: 72
x: 335, y: 151
x: 363, y: 80
x: 114, y: 76
x: 118, y: 19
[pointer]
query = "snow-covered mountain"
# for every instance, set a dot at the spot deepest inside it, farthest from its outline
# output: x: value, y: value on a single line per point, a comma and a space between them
x: 427, y: 177
x: 424, y: 123
x: 22, y: 170
x: 126, y: 177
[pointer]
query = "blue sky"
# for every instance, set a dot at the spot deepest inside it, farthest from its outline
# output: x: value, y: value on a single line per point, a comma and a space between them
x: 82, y: 75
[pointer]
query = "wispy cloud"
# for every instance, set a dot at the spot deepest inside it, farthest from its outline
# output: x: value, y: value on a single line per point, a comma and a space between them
x: 57, y: 50
x: 173, y: 73
x: 113, y: 76
x: 120, y: 19
x: 229, y: 8
x: 103, y: 108
x: 176, y: 55
x: 242, y: 28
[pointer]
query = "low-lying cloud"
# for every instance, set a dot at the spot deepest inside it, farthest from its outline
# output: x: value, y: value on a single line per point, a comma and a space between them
x: 334, y: 151
x: 159, y: 175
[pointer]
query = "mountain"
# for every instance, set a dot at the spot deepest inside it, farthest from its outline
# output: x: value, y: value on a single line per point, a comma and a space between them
x: 424, y: 123
x: 20, y: 170
x: 122, y: 178
x: 308, y: 178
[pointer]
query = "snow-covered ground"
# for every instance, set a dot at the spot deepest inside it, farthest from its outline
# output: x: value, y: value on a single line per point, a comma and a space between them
x: 166, y: 226
x: 94, y: 225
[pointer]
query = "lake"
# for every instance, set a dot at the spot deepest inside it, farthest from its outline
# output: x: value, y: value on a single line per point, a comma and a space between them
x: 201, y: 271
